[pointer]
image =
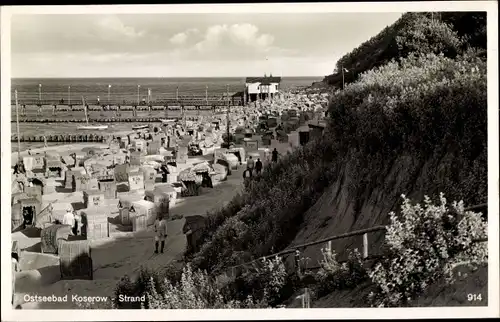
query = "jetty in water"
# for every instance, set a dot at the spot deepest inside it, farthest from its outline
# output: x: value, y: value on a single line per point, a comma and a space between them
x: 182, y: 101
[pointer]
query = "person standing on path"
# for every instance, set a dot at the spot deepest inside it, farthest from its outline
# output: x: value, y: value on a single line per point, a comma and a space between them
x: 69, y: 219
x: 250, y: 165
x: 161, y: 233
x: 258, y: 167
x: 77, y: 228
x: 274, y: 157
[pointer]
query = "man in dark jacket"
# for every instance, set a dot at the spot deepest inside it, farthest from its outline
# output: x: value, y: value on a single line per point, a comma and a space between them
x: 258, y: 167
x: 165, y: 172
x: 274, y: 156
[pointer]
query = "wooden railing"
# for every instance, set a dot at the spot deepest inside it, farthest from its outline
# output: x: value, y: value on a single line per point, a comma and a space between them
x: 300, y: 248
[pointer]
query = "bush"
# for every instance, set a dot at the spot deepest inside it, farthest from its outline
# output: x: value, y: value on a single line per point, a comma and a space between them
x: 141, y: 286
x: 425, y: 244
x: 428, y: 35
x: 195, y: 290
x: 427, y: 107
x: 264, y: 282
x: 447, y: 33
x: 335, y: 276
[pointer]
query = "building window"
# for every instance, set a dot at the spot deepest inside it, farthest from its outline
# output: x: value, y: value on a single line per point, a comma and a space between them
x: 276, y: 87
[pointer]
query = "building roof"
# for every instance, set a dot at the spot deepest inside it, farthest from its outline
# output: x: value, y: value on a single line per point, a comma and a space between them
x: 268, y: 79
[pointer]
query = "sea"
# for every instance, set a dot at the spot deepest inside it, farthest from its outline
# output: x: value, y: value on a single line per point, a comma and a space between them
x: 72, y: 89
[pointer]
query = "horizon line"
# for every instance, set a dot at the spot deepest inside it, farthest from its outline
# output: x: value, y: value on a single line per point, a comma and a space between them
x: 151, y: 77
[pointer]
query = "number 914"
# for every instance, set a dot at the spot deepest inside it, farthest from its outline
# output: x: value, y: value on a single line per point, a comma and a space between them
x: 474, y: 297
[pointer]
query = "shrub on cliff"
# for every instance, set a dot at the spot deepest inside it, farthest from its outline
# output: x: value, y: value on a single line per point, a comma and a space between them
x: 425, y: 243
x: 425, y: 106
x: 447, y: 33
x: 335, y: 276
x: 195, y: 290
x: 135, y: 288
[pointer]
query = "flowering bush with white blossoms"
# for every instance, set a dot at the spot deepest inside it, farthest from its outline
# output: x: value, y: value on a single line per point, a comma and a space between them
x: 333, y: 275
x: 425, y: 243
x: 195, y: 290
x: 264, y: 282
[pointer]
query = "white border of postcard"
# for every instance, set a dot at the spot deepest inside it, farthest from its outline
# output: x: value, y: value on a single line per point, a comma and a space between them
x: 8, y: 314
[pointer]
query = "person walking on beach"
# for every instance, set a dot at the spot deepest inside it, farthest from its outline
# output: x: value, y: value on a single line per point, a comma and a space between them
x: 39, y: 112
x: 134, y: 110
x: 77, y: 224
x: 250, y: 165
x: 54, y: 109
x: 258, y: 167
x: 274, y: 157
x: 161, y: 233
x: 16, y: 168
x: 164, y: 173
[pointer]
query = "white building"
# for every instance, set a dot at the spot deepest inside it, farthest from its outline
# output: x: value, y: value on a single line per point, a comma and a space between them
x: 261, y: 87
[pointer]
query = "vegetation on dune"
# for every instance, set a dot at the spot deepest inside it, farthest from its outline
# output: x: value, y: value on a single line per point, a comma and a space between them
x: 448, y: 33
x: 420, y: 93
x: 425, y: 244
x: 429, y: 107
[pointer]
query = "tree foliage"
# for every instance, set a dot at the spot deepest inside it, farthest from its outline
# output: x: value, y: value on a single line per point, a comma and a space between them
x: 448, y: 33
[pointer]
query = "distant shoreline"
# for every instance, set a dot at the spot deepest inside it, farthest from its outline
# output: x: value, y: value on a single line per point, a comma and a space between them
x: 161, y: 77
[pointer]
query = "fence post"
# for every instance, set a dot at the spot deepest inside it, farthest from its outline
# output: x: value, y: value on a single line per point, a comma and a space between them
x: 329, y: 247
x: 365, y: 245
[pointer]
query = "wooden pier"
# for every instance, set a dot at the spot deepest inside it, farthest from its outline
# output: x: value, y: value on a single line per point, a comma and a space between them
x: 184, y: 101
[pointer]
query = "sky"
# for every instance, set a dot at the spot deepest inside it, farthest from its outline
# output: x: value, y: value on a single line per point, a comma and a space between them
x: 187, y: 45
